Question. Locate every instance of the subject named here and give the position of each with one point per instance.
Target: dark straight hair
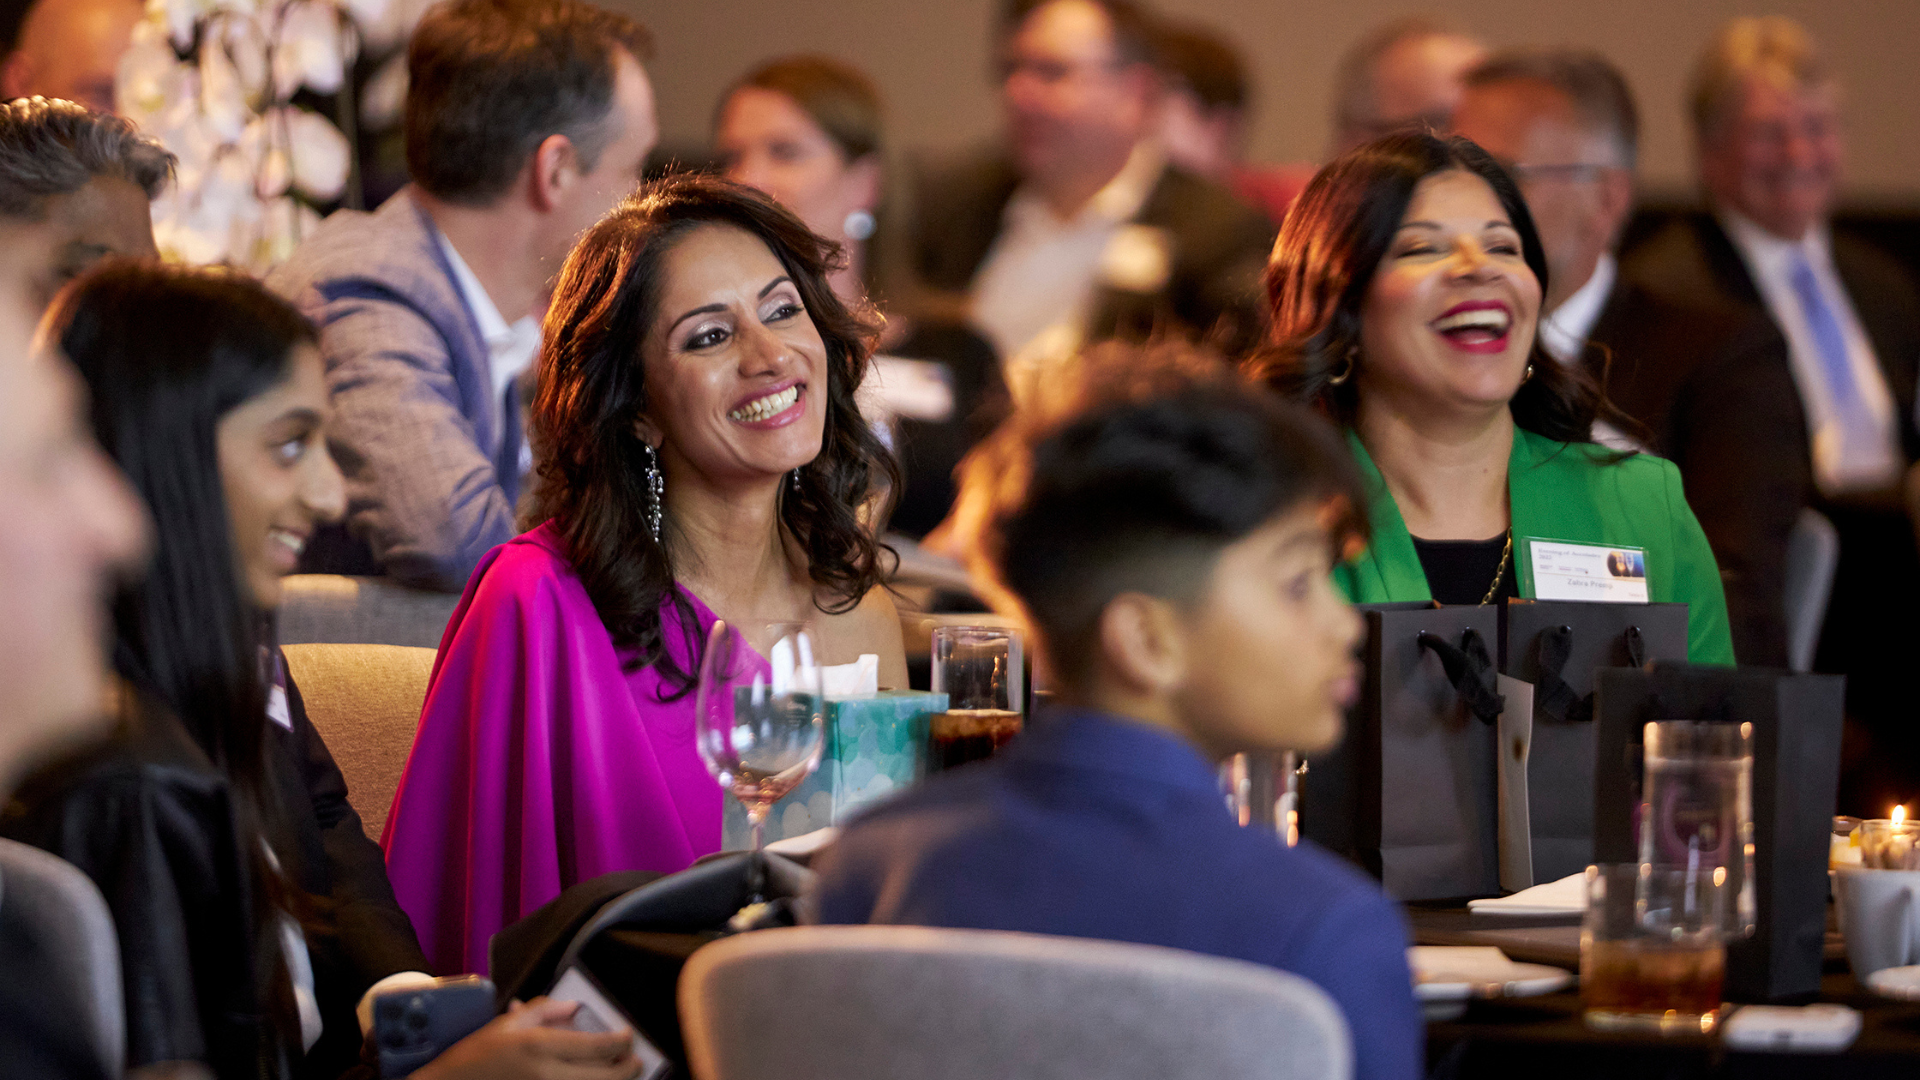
(1332, 244)
(166, 352)
(592, 479)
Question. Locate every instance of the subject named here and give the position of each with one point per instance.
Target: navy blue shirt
(1091, 826)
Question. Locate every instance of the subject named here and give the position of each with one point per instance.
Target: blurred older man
(64, 48)
(88, 177)
(1766, 122)
(1564, 123)
(1406, 73)
(1079, 228)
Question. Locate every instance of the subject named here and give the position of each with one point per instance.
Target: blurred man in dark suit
(1835, 419)
(1563, 121)
(1078, 228)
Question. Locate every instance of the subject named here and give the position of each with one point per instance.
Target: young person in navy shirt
(1168, 535)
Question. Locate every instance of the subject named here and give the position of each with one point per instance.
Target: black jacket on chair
(150, 819)
(1219, 248)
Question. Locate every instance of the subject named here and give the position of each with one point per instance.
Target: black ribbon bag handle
(1555, 697)
(1469, 668)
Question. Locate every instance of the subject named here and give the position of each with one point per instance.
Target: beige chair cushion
(332, 608)
(365, 700)
(911, 1003)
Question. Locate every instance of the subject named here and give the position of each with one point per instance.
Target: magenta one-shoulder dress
(540, 761)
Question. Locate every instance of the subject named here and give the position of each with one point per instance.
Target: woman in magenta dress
(700, 457)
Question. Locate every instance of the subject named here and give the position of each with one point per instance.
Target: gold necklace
(1506, 553)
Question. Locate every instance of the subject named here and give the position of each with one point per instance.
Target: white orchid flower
(309, 50)
(321, 156)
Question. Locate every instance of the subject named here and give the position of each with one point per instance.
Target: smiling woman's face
(736, 372)
(1449, 319)
(279, 480)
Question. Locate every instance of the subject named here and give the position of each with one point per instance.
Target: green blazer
(1567, 491)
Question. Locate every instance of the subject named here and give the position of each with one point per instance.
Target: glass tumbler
(979, 669)
(1696, 808)
(1653, 955)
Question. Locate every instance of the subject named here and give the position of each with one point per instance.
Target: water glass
(1653, 954)
(979, 669)
(1696, 807)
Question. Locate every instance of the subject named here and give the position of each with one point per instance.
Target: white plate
(1526, 980)
(1900, 982)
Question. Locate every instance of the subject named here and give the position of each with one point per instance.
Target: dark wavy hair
(166, 352)
(592, 479)
(1333, 242)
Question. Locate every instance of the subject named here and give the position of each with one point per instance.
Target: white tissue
(847, 680)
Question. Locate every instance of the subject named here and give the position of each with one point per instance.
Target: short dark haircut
(490, 79)
(592, 479)
(1596, 88)
(1135, 32)
(50, 147)
(1157, 457)
(1205, 62)
(1330, 247)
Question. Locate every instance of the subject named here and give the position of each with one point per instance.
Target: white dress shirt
(510, 347)
(1042, 270)
(1564, 331)
(1862, 460)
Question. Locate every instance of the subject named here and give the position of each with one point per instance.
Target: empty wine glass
(760, 721)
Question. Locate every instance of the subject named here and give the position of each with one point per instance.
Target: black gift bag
(1409, 792)
(1796, 772)
(1557, 645)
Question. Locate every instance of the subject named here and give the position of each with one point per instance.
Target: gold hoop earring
(1340, 377)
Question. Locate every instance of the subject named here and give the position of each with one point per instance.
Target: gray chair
(885, 1002)
(1813, 551)
(365, 700)
(50, 908)
(331, 609)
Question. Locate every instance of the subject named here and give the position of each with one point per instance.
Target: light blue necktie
(1856, 420)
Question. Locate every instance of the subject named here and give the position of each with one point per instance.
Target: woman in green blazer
(1406, 290)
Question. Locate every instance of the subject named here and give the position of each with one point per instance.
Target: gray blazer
(414, 420)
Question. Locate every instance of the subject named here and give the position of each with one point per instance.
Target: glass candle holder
(1886, 844)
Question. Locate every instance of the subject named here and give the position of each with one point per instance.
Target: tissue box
(876, 744)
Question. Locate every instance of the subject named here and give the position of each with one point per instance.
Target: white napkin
(1460, 964)
(845, 680)
(1568, 896)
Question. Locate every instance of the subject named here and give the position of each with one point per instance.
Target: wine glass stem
(756, 862)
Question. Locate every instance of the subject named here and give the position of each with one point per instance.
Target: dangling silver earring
(1528, 375)
(859, 225)
(796, 481)
(1340, 377)
(656, 491)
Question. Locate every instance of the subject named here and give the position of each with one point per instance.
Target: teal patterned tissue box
(876, 745)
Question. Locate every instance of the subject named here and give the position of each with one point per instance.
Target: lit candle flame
(1899, 815)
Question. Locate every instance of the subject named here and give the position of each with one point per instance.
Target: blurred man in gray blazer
(525, 122)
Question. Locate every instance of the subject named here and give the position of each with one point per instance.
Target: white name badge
(1567, 571)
